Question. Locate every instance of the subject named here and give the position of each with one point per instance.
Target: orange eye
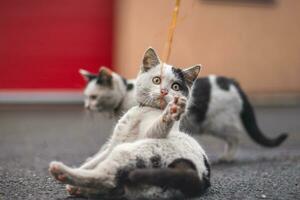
(176, 86)
(156, 80)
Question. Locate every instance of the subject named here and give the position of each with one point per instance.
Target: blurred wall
(255, 41)
(44, 43)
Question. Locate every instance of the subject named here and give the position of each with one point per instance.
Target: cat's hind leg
(74, 191)
(82, 192)
(231, 147)
(81, 177)
(94, 161)
(89, 164)
(105, 176)
(88, 192)
(86, 183)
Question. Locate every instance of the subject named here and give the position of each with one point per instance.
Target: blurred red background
(44, 43)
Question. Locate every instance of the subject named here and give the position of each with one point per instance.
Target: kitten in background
(107, 91)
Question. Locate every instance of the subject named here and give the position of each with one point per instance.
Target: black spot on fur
(207, 166)
(205, 182)
(180, 175)
(156, 161)
(224, 82)
(183, 163)
(181, 81)
(104, 81)
(140, 163)
(178, 73)
(197, 109)
(105, 78)
(90, 77)
(121, 180)
(122, 176)
(124, 81)
(129, 86)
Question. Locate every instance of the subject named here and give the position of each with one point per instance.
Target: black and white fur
(147, 155)
(218, 106)
(108, 92)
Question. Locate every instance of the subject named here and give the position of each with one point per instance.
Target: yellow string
(168, 45)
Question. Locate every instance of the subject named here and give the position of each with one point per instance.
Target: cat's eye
(176, 86)
(93, 97)
(156, 80)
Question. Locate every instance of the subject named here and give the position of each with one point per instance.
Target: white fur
(223, 117)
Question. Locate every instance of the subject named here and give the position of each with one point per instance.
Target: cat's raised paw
(176, 108)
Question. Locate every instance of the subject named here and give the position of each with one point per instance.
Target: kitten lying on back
(147, 156)
(217, 106)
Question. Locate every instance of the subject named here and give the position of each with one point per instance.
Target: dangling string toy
(168, 45)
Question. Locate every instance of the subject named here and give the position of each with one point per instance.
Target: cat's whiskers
(147, 101)
(143, 102)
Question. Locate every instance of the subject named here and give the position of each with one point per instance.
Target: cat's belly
(162, 152)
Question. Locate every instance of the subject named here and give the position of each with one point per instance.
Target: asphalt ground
(32, 136)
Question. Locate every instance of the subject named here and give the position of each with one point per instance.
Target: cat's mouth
(162, 101)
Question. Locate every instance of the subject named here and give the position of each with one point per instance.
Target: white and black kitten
(217, 106)
(147, 156)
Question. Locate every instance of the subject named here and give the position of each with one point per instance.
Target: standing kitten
(218, 107)
(147, 156)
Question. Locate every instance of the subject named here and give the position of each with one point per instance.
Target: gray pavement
(32, 136)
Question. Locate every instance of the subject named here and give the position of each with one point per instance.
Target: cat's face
(102, 92)
(156, 89)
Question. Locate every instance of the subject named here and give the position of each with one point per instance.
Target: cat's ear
(87, 75)
(191, 73)
(150, 59)
(105, 76)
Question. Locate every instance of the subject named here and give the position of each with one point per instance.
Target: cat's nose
(164, 92)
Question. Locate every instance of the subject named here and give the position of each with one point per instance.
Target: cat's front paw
(176, 108)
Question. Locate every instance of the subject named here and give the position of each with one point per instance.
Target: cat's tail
(250, 124)
(181, 176)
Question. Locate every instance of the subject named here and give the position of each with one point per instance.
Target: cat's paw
(176, 108)
(56, 169)
(73, 190)
(225, 159)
